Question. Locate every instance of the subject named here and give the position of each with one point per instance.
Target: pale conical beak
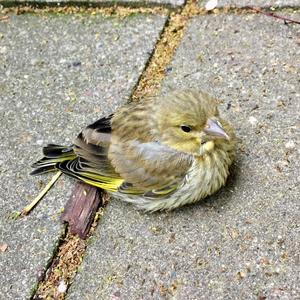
(214, 128)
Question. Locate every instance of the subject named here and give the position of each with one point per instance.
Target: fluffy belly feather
(207, 174)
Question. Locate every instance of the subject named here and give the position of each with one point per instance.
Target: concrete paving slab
(130, 3)
(57, 74)
(243, 242)
(256, 3)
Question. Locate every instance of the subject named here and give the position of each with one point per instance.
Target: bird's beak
(214, 128)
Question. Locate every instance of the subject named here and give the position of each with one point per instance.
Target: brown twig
(270, 14)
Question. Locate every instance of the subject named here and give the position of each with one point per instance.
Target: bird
(159, 154)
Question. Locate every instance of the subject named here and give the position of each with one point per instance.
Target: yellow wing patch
(103, 182)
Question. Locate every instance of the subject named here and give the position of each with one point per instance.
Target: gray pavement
(258, 3)
(58, 73)
(243, 242)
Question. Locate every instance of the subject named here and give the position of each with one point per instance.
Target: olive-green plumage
(161, 153)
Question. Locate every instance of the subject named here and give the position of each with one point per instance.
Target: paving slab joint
(157, 65)
(64, 264)
(189, 10)
(43, 275)
(89, 4)
(139, 89)
(115, 11)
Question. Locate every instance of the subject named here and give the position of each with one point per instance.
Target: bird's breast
(208, 174)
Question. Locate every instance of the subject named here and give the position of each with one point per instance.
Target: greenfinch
(160, 153)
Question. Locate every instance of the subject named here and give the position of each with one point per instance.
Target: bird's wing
(92, 164)
(148, 168)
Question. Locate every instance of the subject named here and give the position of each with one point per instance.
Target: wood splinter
(81, 208)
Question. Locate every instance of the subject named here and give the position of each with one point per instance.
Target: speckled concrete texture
(251, 3)
(243, 242)
(57, 74)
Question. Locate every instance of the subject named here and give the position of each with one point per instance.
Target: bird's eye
(185, 128)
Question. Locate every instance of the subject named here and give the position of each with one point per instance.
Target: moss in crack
(170, 39)
(112, 11)
(43, 273)
(64, 264)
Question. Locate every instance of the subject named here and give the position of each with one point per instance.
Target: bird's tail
(53, 154)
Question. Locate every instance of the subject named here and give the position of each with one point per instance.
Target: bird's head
(189, 121)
